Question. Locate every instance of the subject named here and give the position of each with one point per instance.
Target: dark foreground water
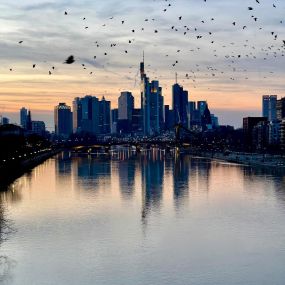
(148, 219)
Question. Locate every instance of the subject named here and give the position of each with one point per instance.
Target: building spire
(142, 67)
(176, 77)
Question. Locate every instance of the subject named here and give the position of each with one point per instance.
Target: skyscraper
(39, 128)
(86, 115)
(104, 116)
(206, 117)
(151, 104)
(137, 121)
(4, 121)
(269, 104)
(125, 106)
(169, 118)
(125, 111)
(63, 120)
(114, 120)
(280, 106)
(145, 100)
(156, 108)
(29, 121)
(77, 115)
(191, 110)
(23, 117)
(202, 106)
(180, 105)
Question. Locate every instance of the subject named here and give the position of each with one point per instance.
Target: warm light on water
(145, 219)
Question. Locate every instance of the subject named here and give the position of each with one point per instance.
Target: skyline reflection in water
(149, 218)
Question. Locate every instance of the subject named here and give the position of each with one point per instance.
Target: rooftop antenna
(143, 56)
(176, 76)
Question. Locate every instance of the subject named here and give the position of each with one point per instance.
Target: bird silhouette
(70, 60)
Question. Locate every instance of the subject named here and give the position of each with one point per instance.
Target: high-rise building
(156, 108)
(125, 109)
(248, 125)
(86, 115)
(23, 117)
(260, 135)
(39, 128)
(29, 121)
(280, 107)
(206, 118)
(77, 115)
(137, 121)
(191, 110)
(63, 120)
(180, 105)
(269, 107)
(215, 121)
(104, 116)
(169, 118)
(201, 106)
(191, 106)
(195, 119)
(4, 121)
(274, 133)
(114, 120)
(125, 106)
(151, 104)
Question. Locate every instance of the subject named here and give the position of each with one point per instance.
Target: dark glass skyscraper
(23, 117)
(269, 109)
(63, 120)
(86, 115)
(151, 104)
(104, 116)
(180, 105)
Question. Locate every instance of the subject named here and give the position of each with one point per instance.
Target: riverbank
(15, 168)
(250, 159)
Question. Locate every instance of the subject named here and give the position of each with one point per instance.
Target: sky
(239, 54)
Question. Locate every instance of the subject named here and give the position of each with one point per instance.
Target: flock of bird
(238, 52)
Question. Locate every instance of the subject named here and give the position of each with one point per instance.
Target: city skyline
(211, 65)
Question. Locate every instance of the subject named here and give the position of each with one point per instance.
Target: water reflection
(272, 177)
(126, 167)
(151, 212)
(152, 173)
(181, 176)
(6, 229)
(63, 164)
(91, 172)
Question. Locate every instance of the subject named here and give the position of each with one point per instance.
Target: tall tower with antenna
(142, 71)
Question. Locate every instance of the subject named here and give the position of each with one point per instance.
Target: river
(137, 219)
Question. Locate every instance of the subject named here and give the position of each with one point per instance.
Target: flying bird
(70, 60)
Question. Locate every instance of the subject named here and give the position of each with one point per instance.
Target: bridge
(176, 142)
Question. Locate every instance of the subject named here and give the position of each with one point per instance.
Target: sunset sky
(242, 59)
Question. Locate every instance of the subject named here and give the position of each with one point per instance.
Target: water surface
(153, 218)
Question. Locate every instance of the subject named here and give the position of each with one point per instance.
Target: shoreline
(269, 161)
(12, 171)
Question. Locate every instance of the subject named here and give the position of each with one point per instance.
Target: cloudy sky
(237, 57)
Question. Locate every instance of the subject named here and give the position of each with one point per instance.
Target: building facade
(180, 105)
(63, 120)
(86, 115)
(104, 116)
(23, 117)
(151, 104)
(39, 128)
(269, 107)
